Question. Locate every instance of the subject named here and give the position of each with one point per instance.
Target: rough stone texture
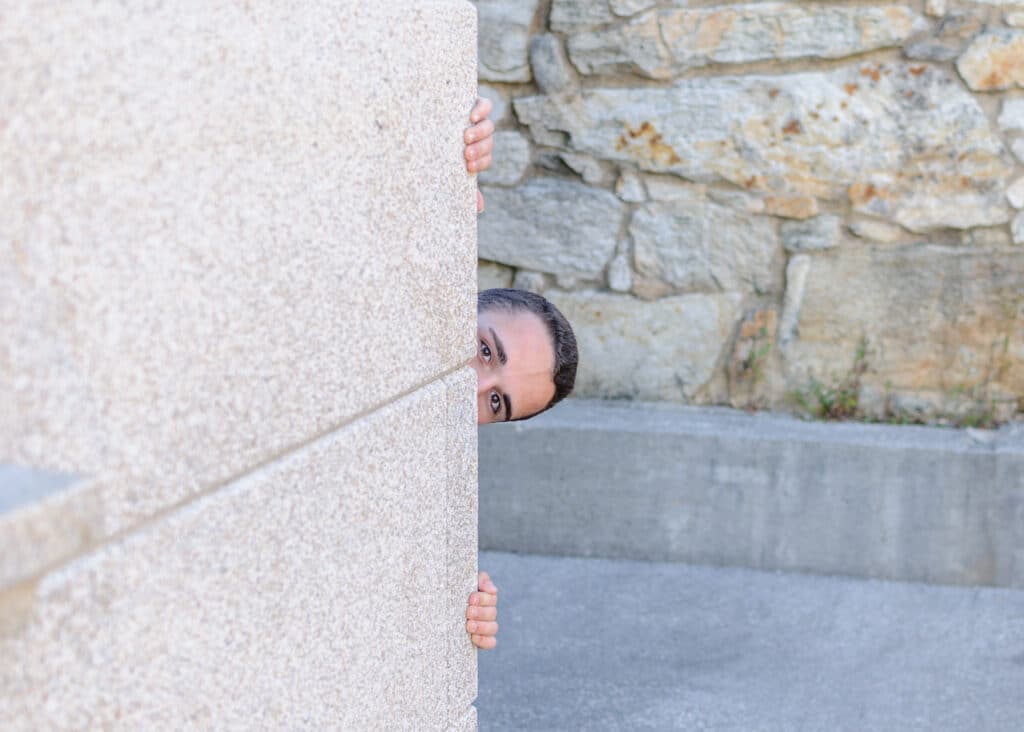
(1015, 194)
(876, 230)
(633, 48)
(499, 103)
(492, 274)
(568, 16)
(753, 370)
(821, 232)
(716, 486)
(937, 320)
(259, 605)
(847, 121)
(504, 39)
(996, 237)
(698, 246)
(1011, 118)
(620, 276)
(796, 282)
(590, 170)
(551, 69)
(511, 159)
(1015, 18)
(665, 42)
(948, 39)
(626, 8)
(1018, 149)
(530, 281)
(551, 226)
(662, 350)
(994, 61)
(884, 135)
(1018, 229)
(190, 320)
(630, 187)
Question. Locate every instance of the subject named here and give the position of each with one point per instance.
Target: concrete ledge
(715, 486)
(45, 518)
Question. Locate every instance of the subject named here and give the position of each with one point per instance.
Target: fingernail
(472, 612)
(472, 626)
(491, 588)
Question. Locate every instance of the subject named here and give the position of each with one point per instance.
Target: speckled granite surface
(237, 280)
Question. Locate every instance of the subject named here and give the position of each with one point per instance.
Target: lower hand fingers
(476, 166)
(480, 149)
(484, 642)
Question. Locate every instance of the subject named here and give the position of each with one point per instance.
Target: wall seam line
(277, 457)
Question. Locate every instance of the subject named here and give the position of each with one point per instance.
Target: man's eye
(495, 402)
(485, 350)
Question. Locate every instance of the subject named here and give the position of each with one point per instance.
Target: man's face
(514, 364)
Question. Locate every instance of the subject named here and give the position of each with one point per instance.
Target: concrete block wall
(237, 435)
(667, 482)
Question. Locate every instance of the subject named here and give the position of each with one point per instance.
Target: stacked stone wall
(768, 204)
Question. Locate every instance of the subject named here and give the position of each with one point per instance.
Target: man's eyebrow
(502, 356)
(508, 404)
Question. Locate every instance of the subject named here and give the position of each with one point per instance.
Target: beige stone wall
(237, 435)
(764, 203)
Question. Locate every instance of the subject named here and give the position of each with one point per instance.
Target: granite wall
(768, 204)
(237, 434)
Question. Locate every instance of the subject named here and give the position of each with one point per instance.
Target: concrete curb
(716, 486)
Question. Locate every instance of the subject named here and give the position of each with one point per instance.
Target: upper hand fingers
(481, 109)
(481, 613)
(479, 131)
(483, 599)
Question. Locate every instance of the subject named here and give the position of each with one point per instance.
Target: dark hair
(562, 338)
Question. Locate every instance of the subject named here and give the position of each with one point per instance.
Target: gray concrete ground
(594, 644)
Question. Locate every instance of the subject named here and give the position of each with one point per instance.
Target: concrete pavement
(594, 644)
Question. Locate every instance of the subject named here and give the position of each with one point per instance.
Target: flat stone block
(312, 593)
(713, 486)
(461, 526)
(208, 255)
